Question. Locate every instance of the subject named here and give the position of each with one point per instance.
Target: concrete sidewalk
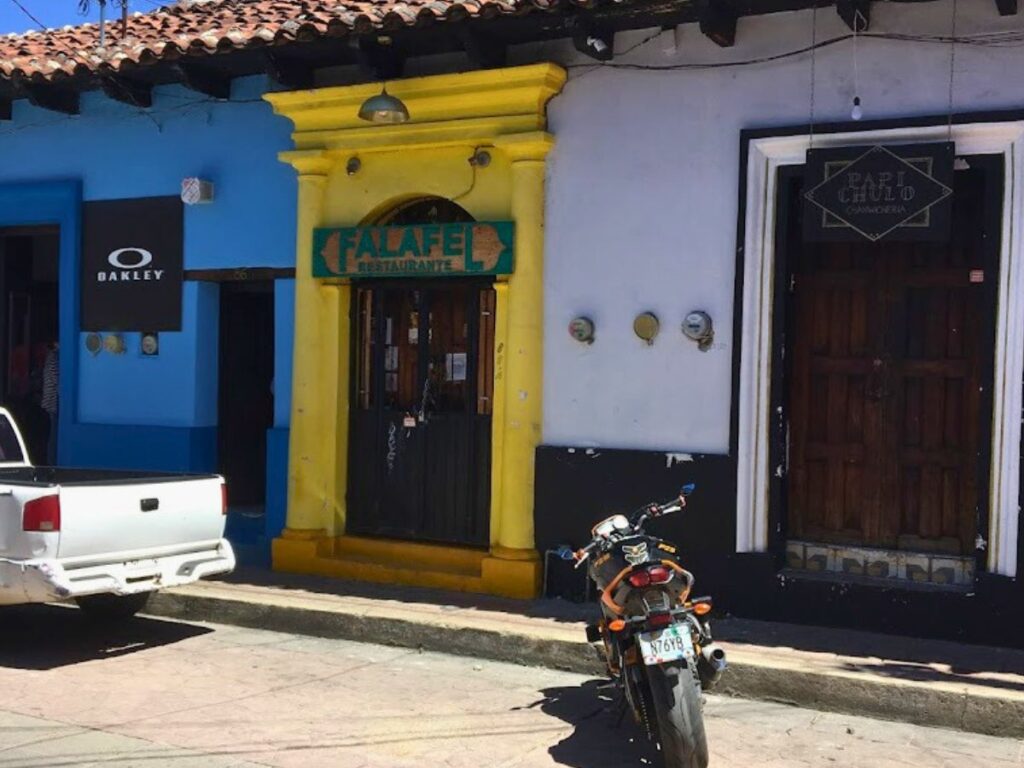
(925, 682)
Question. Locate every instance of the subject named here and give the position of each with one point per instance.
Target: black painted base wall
(576, 487)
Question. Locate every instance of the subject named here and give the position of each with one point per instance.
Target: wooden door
(889, 369)
(419, 458)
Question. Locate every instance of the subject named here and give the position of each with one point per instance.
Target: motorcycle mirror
(687, 489)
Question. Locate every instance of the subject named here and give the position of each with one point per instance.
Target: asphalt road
(161, 693)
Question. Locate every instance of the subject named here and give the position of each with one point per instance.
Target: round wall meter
(93, 343)
(697, 327)
(582, 329)
(113, 343)
(150, 344)
(646, 326)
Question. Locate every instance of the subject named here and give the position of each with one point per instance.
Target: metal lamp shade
(384, 108)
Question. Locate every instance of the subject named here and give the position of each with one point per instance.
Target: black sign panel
(875, 192)
(132, 264)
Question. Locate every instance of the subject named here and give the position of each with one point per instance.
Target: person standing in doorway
(51, 380)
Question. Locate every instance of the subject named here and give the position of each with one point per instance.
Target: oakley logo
(130, 258)
(132, 263)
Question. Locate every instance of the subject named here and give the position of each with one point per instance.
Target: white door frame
(765, 157)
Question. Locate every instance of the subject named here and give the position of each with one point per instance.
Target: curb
(978, 709)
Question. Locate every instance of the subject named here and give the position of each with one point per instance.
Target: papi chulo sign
(415, 250)
(875, 192)
(132, 264)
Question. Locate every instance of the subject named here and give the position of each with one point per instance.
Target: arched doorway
(420, 410)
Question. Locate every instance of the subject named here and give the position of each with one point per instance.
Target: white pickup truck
(106, 539)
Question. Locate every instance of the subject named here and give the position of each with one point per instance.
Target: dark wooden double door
(420, 450)
(888, 350)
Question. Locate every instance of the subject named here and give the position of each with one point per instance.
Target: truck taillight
(223, 498)
(42, 514)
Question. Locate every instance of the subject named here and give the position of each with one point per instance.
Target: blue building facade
(128, 409)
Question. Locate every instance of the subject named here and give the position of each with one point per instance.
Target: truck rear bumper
(44, 581)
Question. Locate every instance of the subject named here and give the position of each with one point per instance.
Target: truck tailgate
(109, 519)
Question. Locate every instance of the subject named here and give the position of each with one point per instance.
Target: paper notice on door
(387, 330)
(455, 366)
(391, 358)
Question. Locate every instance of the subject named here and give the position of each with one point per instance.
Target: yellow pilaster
(514, 565)
(310, 489)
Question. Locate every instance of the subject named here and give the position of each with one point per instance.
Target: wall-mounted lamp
(384, 108)
(646, 327)
(697, 327)
(582, 329)
(196, 191)
(595, 42)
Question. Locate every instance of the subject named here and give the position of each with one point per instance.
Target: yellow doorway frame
(453, 117)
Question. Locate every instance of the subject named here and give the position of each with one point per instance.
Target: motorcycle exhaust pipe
(710, 665)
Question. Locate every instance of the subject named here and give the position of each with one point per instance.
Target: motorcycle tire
(676, 695)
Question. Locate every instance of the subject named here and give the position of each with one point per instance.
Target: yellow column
(513, 568)
(310, 486)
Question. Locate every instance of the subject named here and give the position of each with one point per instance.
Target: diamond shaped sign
(875, 192)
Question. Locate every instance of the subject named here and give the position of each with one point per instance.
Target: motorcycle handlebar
(639, 517)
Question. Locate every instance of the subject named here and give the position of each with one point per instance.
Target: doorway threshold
(880, 567)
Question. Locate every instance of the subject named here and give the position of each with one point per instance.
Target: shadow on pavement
(599, 739)
(42, 637)
(554, 609)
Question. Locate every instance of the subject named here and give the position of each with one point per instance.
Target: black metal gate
(420, 439)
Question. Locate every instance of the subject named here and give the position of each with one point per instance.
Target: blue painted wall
(160, 413)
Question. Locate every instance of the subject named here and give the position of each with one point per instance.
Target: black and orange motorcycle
(655, 636)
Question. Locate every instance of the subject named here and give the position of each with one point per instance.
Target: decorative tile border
(883, 565)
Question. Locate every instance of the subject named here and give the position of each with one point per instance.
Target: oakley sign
(132, 266)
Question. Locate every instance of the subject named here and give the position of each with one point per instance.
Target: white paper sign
(455, 366)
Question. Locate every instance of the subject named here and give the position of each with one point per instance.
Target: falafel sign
(417, 250)
(132, 264)
(873, 192)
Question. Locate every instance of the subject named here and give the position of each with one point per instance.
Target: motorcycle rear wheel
(676, 694)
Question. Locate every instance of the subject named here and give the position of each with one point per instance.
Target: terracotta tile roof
(198, 27)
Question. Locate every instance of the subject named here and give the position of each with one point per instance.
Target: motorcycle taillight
(659, 620)
(659, 574)
(640, 578)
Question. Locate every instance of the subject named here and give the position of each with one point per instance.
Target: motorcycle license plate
(669, 644)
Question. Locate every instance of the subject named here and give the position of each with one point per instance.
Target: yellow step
(407, 555)
(360, 569)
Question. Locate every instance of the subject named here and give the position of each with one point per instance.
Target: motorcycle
(655, 636)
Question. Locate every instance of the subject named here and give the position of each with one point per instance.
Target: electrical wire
(28, 13)
(987, 40)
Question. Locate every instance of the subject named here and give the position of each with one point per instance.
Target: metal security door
(419, 464)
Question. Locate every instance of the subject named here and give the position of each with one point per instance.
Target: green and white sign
(416, 250)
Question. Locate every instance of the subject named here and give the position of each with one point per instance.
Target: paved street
(160, 693)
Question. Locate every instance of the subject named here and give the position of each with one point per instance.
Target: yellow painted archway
(452, 117)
